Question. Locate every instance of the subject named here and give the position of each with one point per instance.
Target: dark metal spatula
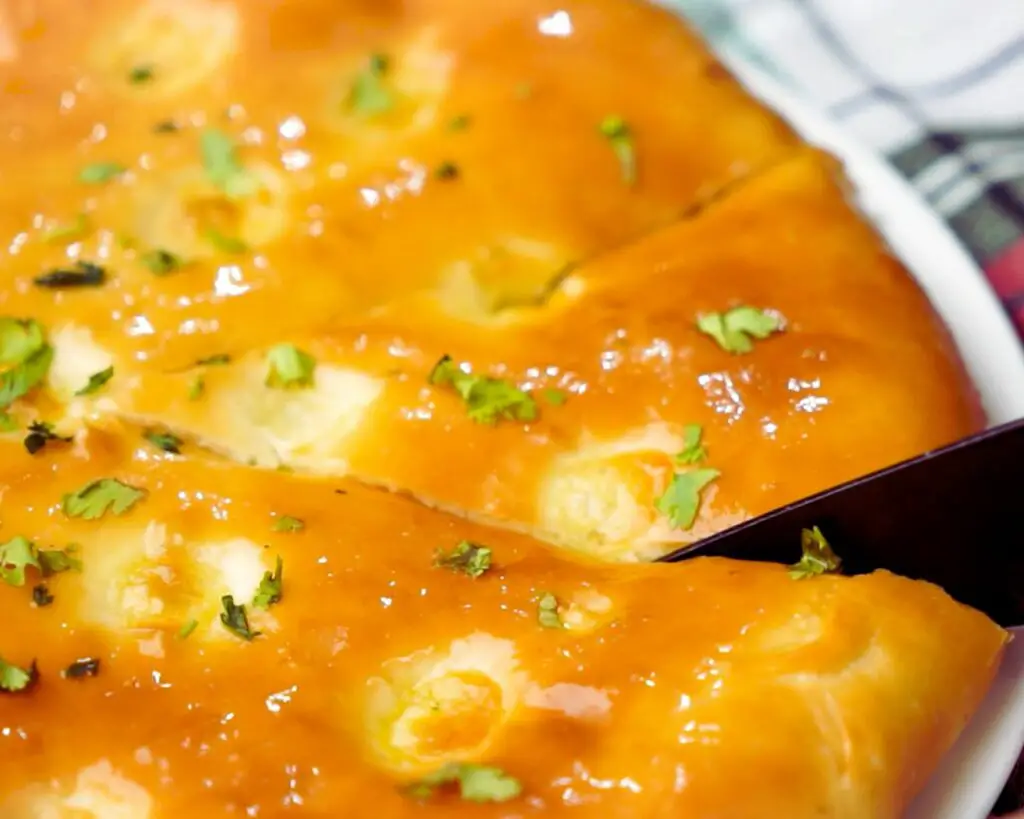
(954, 517)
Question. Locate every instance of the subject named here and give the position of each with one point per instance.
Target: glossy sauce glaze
(382, 185)
(667, 690)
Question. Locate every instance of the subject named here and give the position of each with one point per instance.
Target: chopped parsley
(271, 587)
(7, 423)
(368, 95)
(95, 499)
(166, 126)
(289, 367)
(214, 360)
(79, 669)
(14, 678)
(223, 242)
(96, 381)
(187, 629)
(235, 619)
(487, 399)
(476, 783)
(163, 440)
(81, 274)
(693, 450)
(220, 161)
(465, 557)
(140, 74)
(21, 378)
(286, 523)
(99, 172)
(19, 338)
(555, 397)
(681, 500)
(40, 434)
(616, 130)
(547, 611)
(41, 595)
(160, 262)
(196, 388)
(459, 123)
(735, 329)
(17, 554)
(59, 234)
(446, 170)
(818, 557)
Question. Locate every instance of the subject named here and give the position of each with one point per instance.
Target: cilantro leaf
(681, 500)
(271, 587)
(40, 434)
(735, 329)
(20, 379)
(289, 367)
(818, 557)
(187, 629)
(19, 338)
(477, 783)
(465, 557)
(235, 619)
(214, 360)
(693, 450)
(616, 130)
(555, 397)
(459, 123)
(96, 380)
(223, 242)
(220, 161)
(17, 554)
(196, 388)
(547, 611)
(286, 523)
(81, 274)
(140, 74)
(487, 399)
(368, 95)
(59, 234)
(95, 499)
(99, 172)
(160, 262)
(163, 440)
(7, 423)
(14, 678)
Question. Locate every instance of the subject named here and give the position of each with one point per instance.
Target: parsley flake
(459, 123)
(196, 388)
(95, 499)
(220, 161)
(465, 557)
(187, 629)
(555, 397)
(734, 330)
(368, 95)
(160, 262)
(235, 619)
(476, 783)
(214, 360)
(616, 130)
(487, 399)
(99, 172)
(547, 611)
(82, 274)
(40, 434)
(14, 678)
(96, 381)
(140, 74)
(59, 234)
(17, 554)
(20, 379)
(446, 171)
(818, 557)
(693, 450)
(79, 669)
(681, 500)
(223, 242)
(163, 440)
(271, 587)
(41, 595)
(289, 367)
(286, 523)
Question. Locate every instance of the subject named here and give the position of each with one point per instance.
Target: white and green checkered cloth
(935, 85)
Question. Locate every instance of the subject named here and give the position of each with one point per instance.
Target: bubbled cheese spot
(499, 281)
(100, 792)
(600, 499)
(185, 214)
(76, 356)
(442, 705)
(185, 43)
(150, 583)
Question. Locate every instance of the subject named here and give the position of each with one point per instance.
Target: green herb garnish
(163, 440)
(286, 523)
(99, 172)
(81, 274)
(96, 380)
(476, 783)
(368, 95)
(13, 678)
(235, 619)
(17, 554)
(95, 499)
(681, 501)
(547, 611)
(487, 399)
(220, 161)
(693, 450)
(818, 557)
(160, 262)
(289, 367)
(735, 329)
(271, 587)
(40, 434)
(616, 130)
(465, 557)
(140, 74)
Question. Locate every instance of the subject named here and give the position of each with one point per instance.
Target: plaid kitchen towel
(935, 85)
